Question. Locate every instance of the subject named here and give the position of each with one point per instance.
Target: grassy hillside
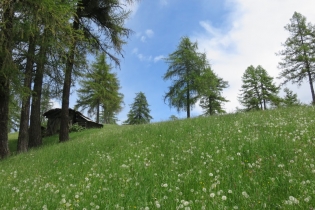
(240, 161)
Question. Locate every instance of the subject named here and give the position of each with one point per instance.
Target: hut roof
(55, 113)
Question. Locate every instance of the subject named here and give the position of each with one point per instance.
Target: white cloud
(253, 34)
(149, 33)
(143, 38)
(158, 58)
(140, 56)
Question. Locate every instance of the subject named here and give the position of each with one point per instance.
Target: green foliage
(139, 111)
(173, 117)
(211, 87)
(185, 66)
(100, 88)
(258, 89)
(261, 160)
(109, 17)
(298, 57)
(290, 98)
(76, 128)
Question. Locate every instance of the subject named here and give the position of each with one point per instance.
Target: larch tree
(298, 57)
(139, 111)
(290, 98)
(100, 89)
(269, 90)
(7, 70)
(258, 89)
(184, 67)
(49, 21)
(22, 145)
(211, 87)
(31, 18)
(108, 16)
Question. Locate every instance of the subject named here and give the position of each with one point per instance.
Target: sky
(234, 34)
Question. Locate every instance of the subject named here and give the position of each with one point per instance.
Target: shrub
(76, 128)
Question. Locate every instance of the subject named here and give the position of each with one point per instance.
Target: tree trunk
(64, 124)
(35, 135)
(25, 110)
(5, 64)
(311, 86)
(263, 96)
(4, 118)
(308, 67)
(98, 112)
(188, 102)
(210, 106)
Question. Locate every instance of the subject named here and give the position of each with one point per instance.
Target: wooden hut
(54, 117)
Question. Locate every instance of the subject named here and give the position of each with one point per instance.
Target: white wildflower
(245, 194)
(307, 199)
(294, 200)
(164, 185)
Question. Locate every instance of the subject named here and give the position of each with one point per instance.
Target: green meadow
(257, 160)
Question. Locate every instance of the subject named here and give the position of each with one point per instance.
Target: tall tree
(108, 117)
(100, 88)
(35, 136)
(109, 17)
(55, 34)
(25, 110)
(185, 66)
(139, 111)
(258, 89)
(211, 87)
(298, 57)
(269, 90)
(6, 69)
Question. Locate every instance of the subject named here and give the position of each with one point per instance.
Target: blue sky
(234, 34)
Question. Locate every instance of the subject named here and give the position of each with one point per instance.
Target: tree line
(194, 80)
(43, 48)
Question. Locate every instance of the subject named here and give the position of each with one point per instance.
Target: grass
(258, 160)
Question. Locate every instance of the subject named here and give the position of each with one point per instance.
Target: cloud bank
(251, 35)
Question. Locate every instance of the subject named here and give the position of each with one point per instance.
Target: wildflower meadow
(257, 160)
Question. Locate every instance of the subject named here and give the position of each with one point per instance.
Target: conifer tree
(7, 68)
(185, 66)
(108, 16)
(139, 111)
(258, 89)
(211, 87)
(100, 88)
(298, 57)
(290, 98)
